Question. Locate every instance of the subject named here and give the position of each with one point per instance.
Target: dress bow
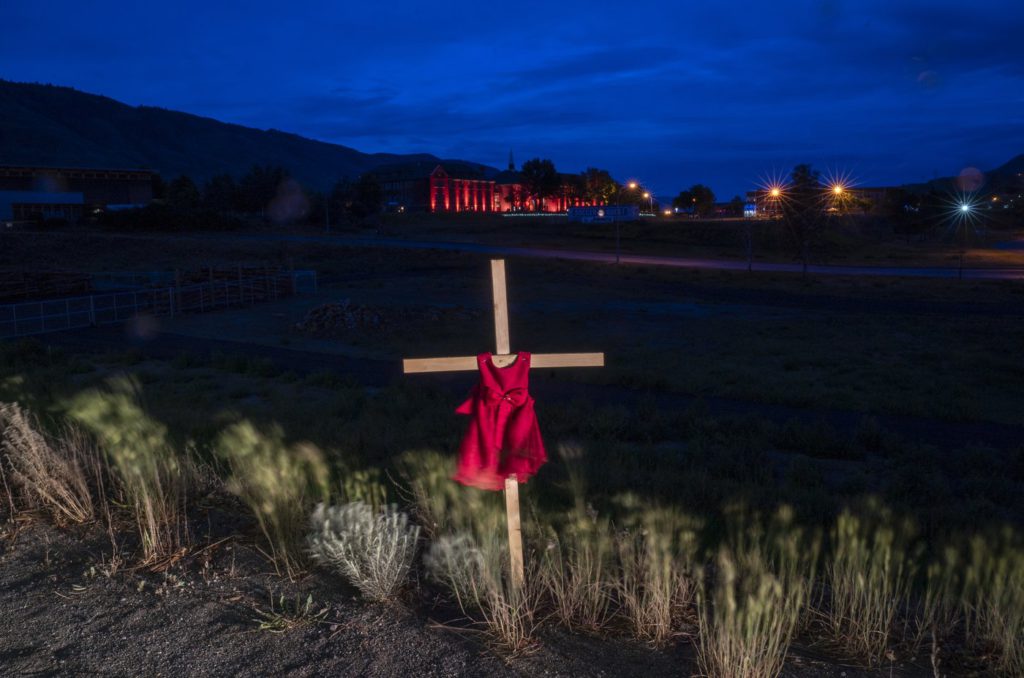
(516, 397)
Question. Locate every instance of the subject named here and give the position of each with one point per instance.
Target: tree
(703, 200)
(801, 210)
(339, 199)
(259, 186)
(182, 195)
(540, 180)
(736, 206)
(684, 201)
(220, 194)
(598, 186)
(367, 197)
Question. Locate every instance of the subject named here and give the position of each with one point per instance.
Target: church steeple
(511, 162)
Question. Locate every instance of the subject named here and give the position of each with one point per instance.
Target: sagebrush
(373, 549)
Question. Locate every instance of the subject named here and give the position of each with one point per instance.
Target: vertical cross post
(500, 307)
(501, 337)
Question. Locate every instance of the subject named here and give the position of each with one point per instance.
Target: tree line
(265, 193)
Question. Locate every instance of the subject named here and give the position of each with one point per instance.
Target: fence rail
(52, 315)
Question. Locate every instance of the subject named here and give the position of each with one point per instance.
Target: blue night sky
(668, 93)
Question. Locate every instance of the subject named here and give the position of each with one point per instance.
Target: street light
(650, 201)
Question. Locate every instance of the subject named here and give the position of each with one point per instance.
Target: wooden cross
(503, 357)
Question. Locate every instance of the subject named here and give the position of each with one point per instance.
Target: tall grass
(868, 580)
(279, 483)
(477, 574)
(657, 580)
(751, 603)
(446, 507)
(577, 572)
(993, 598)
(939, 607)
(52, 472)
(372, 548)
(151, 478)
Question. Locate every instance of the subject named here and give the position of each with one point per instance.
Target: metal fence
(37, 317)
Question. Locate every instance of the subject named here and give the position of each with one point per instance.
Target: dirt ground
(65, 616)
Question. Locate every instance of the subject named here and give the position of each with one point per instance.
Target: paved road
(1005, 273)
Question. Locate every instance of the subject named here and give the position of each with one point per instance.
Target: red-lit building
(462, 187)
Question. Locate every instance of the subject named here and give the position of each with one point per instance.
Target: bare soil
(67, 614)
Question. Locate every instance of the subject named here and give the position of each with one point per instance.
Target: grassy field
(740, 489)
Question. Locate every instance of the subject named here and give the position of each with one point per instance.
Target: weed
(286, 615)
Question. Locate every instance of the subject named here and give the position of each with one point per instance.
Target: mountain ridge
(59, 126)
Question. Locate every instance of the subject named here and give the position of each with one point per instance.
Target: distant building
(463, 187)
(32, 206)
(32, 193)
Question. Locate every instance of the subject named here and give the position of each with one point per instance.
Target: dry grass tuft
(657, 584)
(478, 576)
(868, 580)
(151, 479)
(577, 574)
(49, 472)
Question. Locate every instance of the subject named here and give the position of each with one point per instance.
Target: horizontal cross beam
(468, 363)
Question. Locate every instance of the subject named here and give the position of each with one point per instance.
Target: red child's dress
(503, 438)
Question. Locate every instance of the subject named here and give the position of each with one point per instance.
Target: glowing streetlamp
(775, 192)
(838, 189)
(632, 185)
(965, 208)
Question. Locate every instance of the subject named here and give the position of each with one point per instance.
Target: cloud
(666, 92)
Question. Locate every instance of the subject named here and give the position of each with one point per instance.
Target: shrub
(868, 580)
(477, 574)
(50, 472)
(151, 478)
(278, 483)
(372, 549)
